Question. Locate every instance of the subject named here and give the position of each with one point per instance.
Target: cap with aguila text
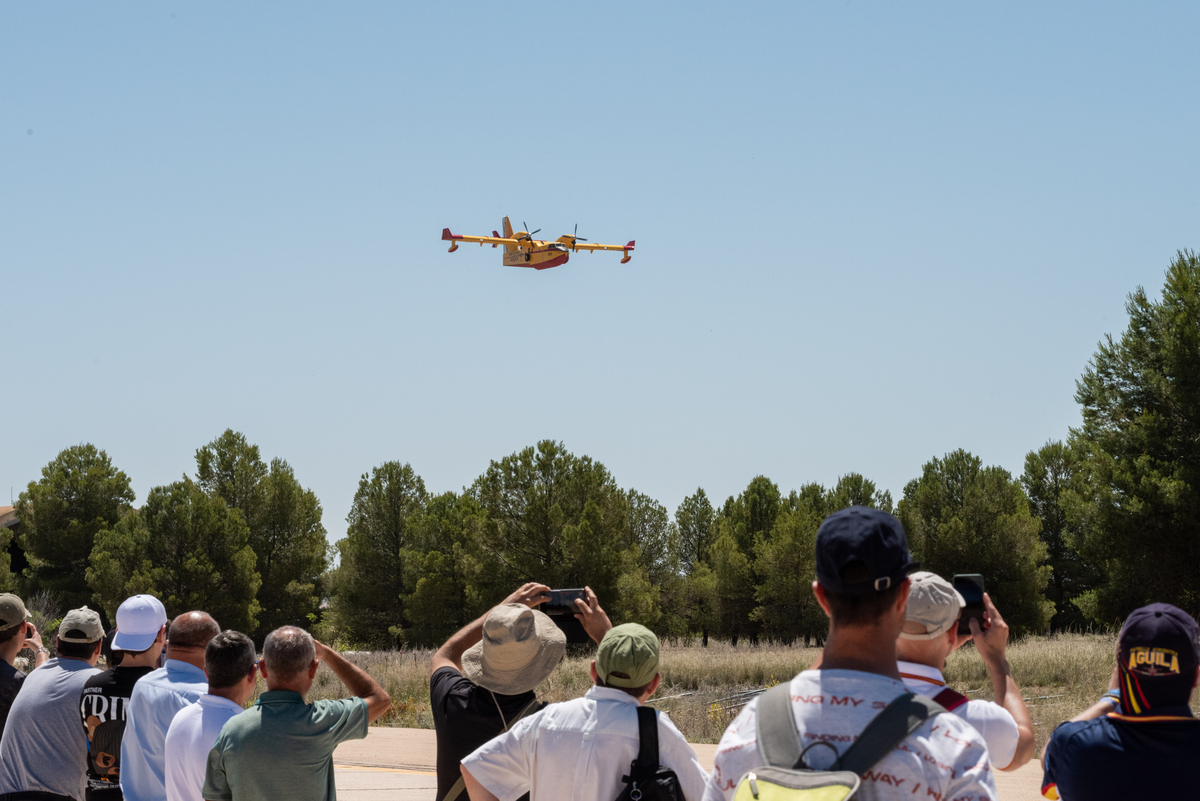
(12, 611)
(933, 607)
(868, 539)
(139, 619)
(1157, 649)
(627, 656)
(81, 625)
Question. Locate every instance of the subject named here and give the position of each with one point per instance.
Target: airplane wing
(483, 240)
(590, 246)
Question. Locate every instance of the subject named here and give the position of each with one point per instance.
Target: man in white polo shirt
(232, 668)
(930, 635)
(580, 749)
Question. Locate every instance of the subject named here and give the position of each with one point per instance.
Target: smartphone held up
(970, 587)
(562, 610)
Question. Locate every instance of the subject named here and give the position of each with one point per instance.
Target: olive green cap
(628, 656)
(12, 611)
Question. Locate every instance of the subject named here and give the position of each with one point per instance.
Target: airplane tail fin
(508, 232)
(626, 249)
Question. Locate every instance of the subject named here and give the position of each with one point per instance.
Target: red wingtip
(627, 247)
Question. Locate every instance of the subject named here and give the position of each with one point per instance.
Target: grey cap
(12, 611)
(81, 625)
(933, 607)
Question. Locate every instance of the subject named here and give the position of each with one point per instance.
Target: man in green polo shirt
(282, 748)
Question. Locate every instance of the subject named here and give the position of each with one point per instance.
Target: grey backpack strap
(778, 740)
(889, 728)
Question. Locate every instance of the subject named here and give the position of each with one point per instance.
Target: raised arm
(356, 680)
(450, 654)
(991, 644)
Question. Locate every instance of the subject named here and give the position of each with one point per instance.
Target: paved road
(397, 764)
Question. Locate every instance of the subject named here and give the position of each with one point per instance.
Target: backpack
(647, 780)
(785, 775)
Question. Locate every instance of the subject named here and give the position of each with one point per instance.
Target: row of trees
(1095, 526)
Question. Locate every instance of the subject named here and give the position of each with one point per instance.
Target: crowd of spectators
(167, 721)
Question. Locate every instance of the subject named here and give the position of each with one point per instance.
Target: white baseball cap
(139, 620)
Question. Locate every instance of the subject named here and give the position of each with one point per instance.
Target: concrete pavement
(398, 764)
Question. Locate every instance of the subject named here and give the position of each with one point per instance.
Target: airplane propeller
(529, 235)
(577, 237)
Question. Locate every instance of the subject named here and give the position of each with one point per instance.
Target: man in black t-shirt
(141, 633)
(482, 679)
(16, 634)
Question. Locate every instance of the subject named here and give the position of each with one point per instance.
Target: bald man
(155, 700)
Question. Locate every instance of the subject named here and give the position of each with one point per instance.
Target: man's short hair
(192, 630)
(288, 652)
(228, 658)
(76, 650)
(636, 692)
(863, 609)
(12, 631)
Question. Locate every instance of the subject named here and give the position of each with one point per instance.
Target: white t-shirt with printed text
(944, 760)
(994, 722)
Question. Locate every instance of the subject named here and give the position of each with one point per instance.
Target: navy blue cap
(866, 535)
(1158, 652)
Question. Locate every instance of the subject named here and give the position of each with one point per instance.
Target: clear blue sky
(868, 234)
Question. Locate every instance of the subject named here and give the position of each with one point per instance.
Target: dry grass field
(1059, 676)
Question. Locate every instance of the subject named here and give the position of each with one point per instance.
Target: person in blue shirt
(1139, 739)
(156, 698)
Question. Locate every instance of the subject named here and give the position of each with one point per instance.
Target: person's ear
(162, 635)
(595, 675)
(312, 669)
(902, 600)
(819, 594)
(262, 668)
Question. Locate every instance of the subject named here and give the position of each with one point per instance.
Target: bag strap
(647, 758)
(778, 741)
(887, 730)
(950, 699)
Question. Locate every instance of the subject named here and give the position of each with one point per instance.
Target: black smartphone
(562, 602)
(562, 610)
(970, 587)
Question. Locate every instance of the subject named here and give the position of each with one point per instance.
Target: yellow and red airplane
(522, 250)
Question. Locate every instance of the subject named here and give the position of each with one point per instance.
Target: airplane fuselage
(539, 256)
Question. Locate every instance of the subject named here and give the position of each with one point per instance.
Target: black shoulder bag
(647, 780)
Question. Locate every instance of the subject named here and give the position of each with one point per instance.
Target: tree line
(1096, 525)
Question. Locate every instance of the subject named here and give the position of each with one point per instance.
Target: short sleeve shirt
(189, 741)
(44, 747)
(10, 685)
(465, 716)
(102, 708)
(994, 722)
(281, 749)
(579, 750)
(945, 758)
(1124, 756)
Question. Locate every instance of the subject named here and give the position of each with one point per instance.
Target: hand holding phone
(562, 610)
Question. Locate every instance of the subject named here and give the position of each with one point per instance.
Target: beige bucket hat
(933, 607)
(520, 648)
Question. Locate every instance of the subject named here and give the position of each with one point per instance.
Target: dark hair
(864, 609)
(288, 652)
(12, 631)
(228, 658)
(75, 650)
(636, 692)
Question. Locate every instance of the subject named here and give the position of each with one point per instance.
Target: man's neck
(233, 694)
(857, 648)
(9, 651)
(285, 687)
(918, 657)
(193, 656)
(140, 661)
